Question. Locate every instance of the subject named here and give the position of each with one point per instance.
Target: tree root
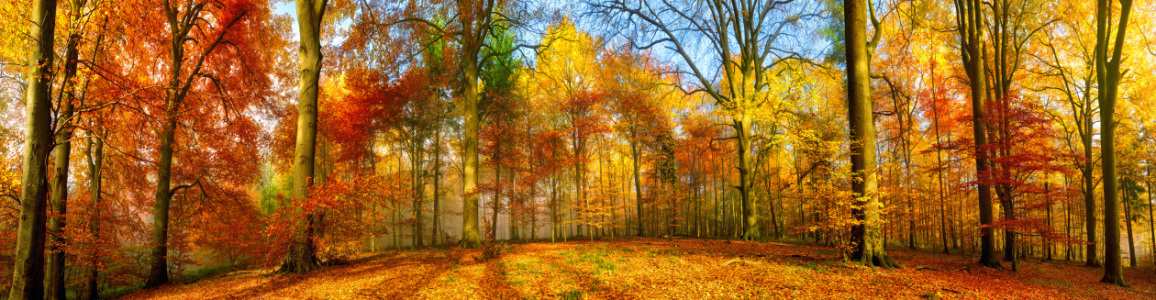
(1116, 280)
(879, 260)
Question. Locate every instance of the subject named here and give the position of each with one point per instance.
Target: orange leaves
(661, 269)
(363, 103)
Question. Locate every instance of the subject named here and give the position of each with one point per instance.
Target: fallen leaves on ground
(663, 269)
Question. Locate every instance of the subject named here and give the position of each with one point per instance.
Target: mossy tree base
(1114, 279)
(880, 260)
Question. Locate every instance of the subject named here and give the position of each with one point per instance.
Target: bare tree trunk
(415, 159)
(437, 194)
(302, 255)
(635, 156)
(470, 126)
(28, 272)
(971, 19)
(56, 222)
(1128, 223)
(95, 156)
(1108, 76)
(1089, 189)
(1151, 222)
(742, 125)
(865, 235)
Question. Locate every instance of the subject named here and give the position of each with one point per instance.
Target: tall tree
(1076, 85)
(187, 31)
(61, 155)
(866, 236)
(28, 273)
(94, 155)
(302, 253)
(970, 23)
(1013, 25)
(1108, 79)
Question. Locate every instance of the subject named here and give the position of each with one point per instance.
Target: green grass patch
(202, 273)
(598, 260)
(120, 291)
(816, 267)
(571, 295)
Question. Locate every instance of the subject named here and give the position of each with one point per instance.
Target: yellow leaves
(13, 33)
(566, 62)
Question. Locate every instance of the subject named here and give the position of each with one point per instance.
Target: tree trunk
(158, 271)
(1068, 222)
(28, 273)
(1128, 223)
(742, 125)
(1108, 77)
(1089, 189)
(1151, 222)
(553, 208)
(497, 201)
(56, 288)
(1048, 248)
(470, 127)
(580, 183)
(869, 248)
(972, 49)
(302, 257)
(415, 158)
(533, 189)
(437, 189)
(939, 171)
(95, 151)
(635, 156)
(1009, 213)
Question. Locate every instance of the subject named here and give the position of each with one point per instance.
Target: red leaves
(363, 105)
(345, 211)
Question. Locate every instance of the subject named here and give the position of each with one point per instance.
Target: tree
(28, 273)
(181, 20)
(1108, 79)
(866, 236)
(1012, 30)
(501, 108)
(94, 155)
(970, 22)
(1076, 86)
(63, 149)
(302, 255)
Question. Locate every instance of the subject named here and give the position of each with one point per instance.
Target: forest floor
(663, 269)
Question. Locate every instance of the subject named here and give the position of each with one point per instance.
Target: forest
(587, 149)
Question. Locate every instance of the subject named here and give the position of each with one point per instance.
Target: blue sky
(807, 44)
